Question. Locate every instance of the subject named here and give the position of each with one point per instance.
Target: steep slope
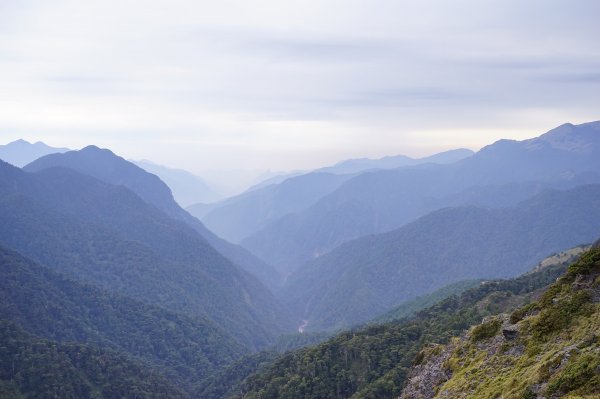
(108, 167)
(31, 367)
(50, 306)
(106, 235)
(368, 276)
(240, 216)
(186, 187)
(373, 361)
(546, 349)
(20, 152)
(380, 201)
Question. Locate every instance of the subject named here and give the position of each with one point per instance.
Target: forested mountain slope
(50, 306)
(370, 275)
(104, 165)
(106, 235)
(39, 368)
(373, 361)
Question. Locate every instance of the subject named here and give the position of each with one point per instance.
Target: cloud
(297, 84)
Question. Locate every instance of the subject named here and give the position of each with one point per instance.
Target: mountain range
(20, 152)
(369, 275)
(241, 216)
(108, 236)
(104, 165)
(381, 278)
(375, 361)
(501, 174)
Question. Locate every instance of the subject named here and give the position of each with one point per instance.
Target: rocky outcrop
(546, 349)
(426, 376)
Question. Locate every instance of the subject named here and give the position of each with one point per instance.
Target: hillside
(373, 361)
(548, 348)
(368, 276)
(50, 306)
(107, 236)
(38, 368)
(381, 201)
(104, 165)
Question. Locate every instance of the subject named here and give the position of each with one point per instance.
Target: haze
(236, 85)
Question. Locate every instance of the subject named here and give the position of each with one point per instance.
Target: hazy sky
(293, 84)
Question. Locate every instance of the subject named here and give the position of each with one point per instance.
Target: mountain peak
(21, 152)
(19, 142)
(570, 137)
(91, 149)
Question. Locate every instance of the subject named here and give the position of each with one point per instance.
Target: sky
(246, 86)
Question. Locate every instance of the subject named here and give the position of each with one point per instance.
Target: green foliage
(225, 383)
(558, 315)
(486, 330)
(528, 394)
(556, 354)
(46, 304)
(288, 342)
(521, 312)
(411, 307)
(581, 374)
(373, 361)
(36, 368)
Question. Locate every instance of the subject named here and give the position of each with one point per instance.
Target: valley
(96, 252)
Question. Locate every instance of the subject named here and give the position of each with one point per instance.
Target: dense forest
(38, 368)
(373, 361)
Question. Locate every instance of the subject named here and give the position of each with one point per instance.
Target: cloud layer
(293, 84)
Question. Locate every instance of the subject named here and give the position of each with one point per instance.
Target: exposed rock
(429, 374)
(510, 334)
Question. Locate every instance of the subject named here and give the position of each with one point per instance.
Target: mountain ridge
(106, 166)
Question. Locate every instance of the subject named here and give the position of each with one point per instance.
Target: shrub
(486, 330)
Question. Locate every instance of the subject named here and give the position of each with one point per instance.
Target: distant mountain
(50, 306)
(368, 276)
(20, 152)
(240, 216)
(351, 166)
(108, 167)
(500, 174)
(186, 187)
(269, 178)
(106, 235)
(397, 161)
